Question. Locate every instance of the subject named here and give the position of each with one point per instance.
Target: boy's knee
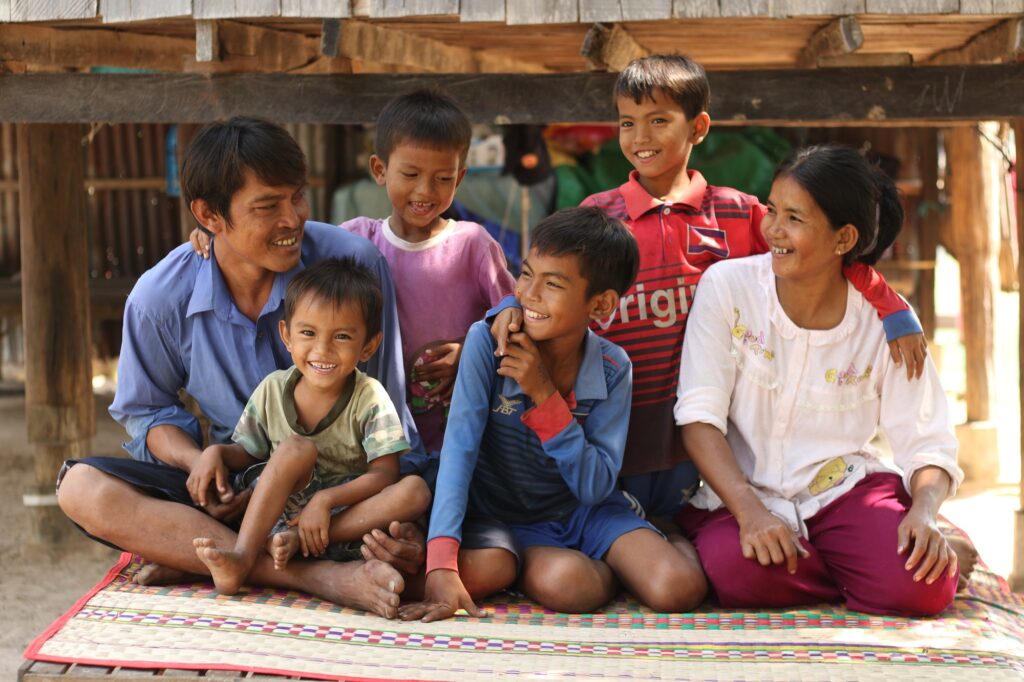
(485, 571)
(571, 584)
(297, 450)
(675, 586)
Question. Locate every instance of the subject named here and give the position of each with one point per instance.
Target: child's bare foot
(966, 556)
(403, 546)
(282, 546)
(227, 568)
(155, 574)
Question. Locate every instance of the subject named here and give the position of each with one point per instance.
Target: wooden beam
(85, 48)
(1017, 576)
(610, 48)
(59, 408)
(871, 60)
(841, 36)
(923, 95)
(1003, 42)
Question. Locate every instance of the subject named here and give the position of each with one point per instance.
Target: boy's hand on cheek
(523, 363)
(505, 323)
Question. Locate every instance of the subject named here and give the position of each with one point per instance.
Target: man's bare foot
(155, 574)
(966, 556)
(403, 546)
(228, 569)
(369, 586)
(282, 547)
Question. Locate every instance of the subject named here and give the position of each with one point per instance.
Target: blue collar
(590, 382)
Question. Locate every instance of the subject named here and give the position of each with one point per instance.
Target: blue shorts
(591, 530)
(663, 493)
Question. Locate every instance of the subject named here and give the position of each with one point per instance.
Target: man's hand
(523, 363)
(209, 468)
(910, 349)
(443, 595)
(200, 242)
(402, 547)
(768, 539)
(313, 522)
(506, 322)
(931, 554)
(229, 512)
(441, 367)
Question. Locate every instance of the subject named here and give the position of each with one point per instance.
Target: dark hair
(607, 251)
(851, 191)
(338, 281)
(215, 162)
(679, 77)
(427, 117)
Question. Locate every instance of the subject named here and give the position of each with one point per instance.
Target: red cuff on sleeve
(443, 552)
(549, 418)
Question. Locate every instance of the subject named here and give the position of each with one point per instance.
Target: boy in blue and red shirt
(683, 225)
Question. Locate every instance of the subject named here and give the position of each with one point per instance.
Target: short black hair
(607, 251)
(679, 77)
(214, 165)
(338, 281)
(428, 117)
(849, 191)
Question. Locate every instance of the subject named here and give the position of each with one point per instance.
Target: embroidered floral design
(849, 376)
(755, 342)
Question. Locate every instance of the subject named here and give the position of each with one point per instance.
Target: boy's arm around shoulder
(589, 455)
(467, 420)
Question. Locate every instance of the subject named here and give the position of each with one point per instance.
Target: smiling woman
(787, 377)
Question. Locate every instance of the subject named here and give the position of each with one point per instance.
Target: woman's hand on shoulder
(766, 538)
(910, 350)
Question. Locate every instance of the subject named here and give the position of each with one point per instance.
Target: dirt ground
(37, 585)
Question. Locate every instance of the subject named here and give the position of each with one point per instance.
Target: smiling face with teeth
(262, 234)
(657, 138)
(553, 294)
(421, 183)
(326, 342)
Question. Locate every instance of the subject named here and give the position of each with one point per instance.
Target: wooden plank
(1002, 43)
(541, 12)
(696, 9)
(39, 671)
(624, 10)
(330, 35)
(746, 8)
(991, 6)
(839, 36)
(317, 9)
(235, 9)
(5, 10)
(392, 9)
(1017, 576)
(84, 48)
(784, 96)
(52, 10)
(482, 10)
(912, 6)
(207, 41)
(869, 60)
(118, 11)
(819, 8)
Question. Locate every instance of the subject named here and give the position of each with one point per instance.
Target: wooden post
(186, 131)
(929, 226)
(1017, 576)
(59, 408)
(974, 217)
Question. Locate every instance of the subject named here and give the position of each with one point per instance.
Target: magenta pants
(852, 558)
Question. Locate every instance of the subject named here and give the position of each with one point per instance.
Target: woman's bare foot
(966, 556)
(229, 569)
(369, 586)
(155, 574)
(282, 547)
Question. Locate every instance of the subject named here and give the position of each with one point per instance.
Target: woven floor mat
(272, 631)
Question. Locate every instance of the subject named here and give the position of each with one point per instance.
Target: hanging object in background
(528, 161)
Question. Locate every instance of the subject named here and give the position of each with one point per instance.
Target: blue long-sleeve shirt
(182, 330)
(506, 458)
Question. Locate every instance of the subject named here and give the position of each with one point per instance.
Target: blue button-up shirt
(182, 331)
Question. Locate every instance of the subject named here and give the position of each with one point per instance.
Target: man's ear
(603, 304)
(701, 127)
(371, 346)
(286, 337)
(209, 219)
(378, 169)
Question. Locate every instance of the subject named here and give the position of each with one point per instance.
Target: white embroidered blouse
(800, 407)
